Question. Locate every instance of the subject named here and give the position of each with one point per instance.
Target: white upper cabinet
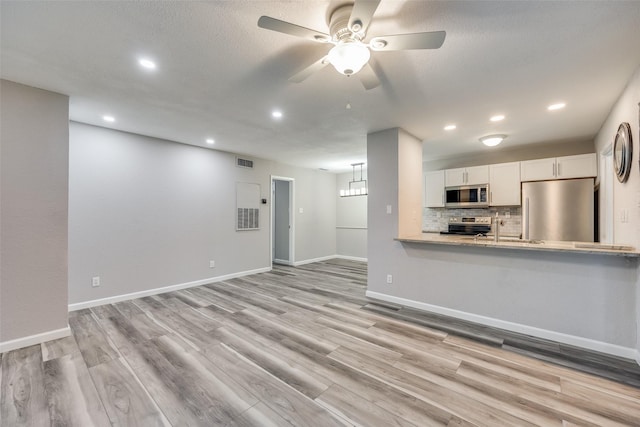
(467, 176)
(434, 189)
(579, 166)
(504, 184)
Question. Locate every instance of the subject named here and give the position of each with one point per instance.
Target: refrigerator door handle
(525, 219)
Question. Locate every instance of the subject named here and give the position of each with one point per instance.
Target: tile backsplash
(437, 219)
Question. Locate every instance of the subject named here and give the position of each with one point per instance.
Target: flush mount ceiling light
(492, 140)
(357, 187)
(147, 63)
(497, 118)
(558, 106)
(108, 118)
(449, 127)
(276, 114)
(210, 141)
(349, 56)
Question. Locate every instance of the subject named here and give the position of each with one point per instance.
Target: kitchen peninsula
(579, 296)
(519, 244)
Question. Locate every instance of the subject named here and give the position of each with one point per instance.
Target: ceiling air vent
(244, 163)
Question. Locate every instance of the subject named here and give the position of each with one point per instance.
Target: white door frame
(292, 230)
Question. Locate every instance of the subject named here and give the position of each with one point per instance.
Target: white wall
(585, 300)
(145, 213)
(351, 219)
(33, 198)
(626, 196)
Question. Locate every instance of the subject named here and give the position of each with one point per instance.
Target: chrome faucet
(496, 228)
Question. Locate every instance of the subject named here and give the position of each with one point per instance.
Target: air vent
(248, 219)
(244, 163)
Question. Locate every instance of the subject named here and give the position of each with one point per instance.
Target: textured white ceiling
(219, 75)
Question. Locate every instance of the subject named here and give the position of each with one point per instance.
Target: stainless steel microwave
(467, 196)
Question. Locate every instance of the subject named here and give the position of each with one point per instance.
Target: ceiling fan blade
(362, 14)
(303, 74)
(273, 24)
(431, 40)
(368, 77)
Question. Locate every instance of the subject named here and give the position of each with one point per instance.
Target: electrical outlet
(507, 214)
(95, 282)
(212, 264)
(389, 279)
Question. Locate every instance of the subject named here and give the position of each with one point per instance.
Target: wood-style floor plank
(304, 346)
(126, 401)
(71, 394)
(22, 400)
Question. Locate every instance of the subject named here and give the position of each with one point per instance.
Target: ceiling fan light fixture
(349, 57)
(492, 140)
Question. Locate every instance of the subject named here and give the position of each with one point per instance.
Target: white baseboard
(149, 292)
(309, 261)
(34, 339)
(602, 347)
(351, 258)
(328, 257)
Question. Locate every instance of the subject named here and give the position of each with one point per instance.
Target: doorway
(282, 224)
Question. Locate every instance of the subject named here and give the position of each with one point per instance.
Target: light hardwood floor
(295, 346)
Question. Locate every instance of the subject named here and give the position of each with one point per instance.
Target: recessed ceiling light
(109, 119)
(492, 140)
(497, 118)
(276, 114)
(210, 141)
(449, 127)
(558, 106)
(147, 63)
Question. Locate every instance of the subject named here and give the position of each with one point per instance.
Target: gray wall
(626, 196)
(588, 300)
(351, 219)
(145, 213)
(34, 193)
(314, 194)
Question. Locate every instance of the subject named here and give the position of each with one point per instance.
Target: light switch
(388, 209)
(301, 210)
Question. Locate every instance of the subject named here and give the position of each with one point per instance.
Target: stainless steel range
(469, 226)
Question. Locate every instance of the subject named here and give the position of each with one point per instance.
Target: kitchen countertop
(508, 242)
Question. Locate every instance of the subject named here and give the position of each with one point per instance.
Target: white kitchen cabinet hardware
(566, 167)
(467, 176)
(504, 184)
(434, 189)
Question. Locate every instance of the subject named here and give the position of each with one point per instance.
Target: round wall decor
(622, 152)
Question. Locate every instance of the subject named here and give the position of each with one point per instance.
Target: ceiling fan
(348, 26)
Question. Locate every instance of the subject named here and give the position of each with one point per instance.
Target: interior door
(281, 235)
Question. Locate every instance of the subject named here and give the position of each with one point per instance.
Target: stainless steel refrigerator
(558, 210)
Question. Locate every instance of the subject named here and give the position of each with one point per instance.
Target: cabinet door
(477, 175)
(580, 166)
(504, 184)
(455, 177)
(538, 170)
(434, 189)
